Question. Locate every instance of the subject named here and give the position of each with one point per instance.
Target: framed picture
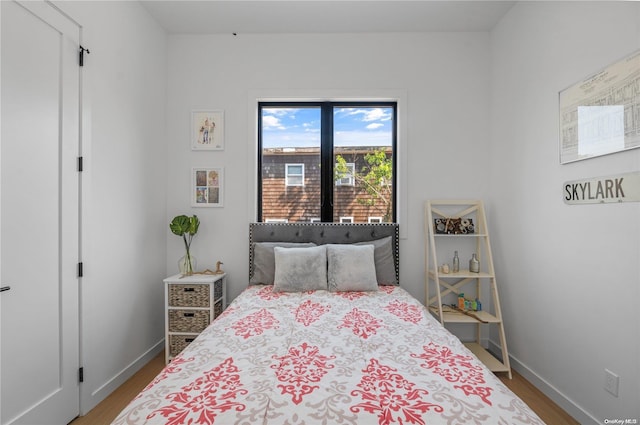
(207, 130)
(207, 187)
(598, 115)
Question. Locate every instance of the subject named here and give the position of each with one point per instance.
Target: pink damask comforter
(319, 357)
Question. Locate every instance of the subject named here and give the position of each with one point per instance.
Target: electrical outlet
(611, 382)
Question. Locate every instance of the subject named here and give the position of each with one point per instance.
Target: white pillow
(264, 263)
(351, 268)
(300, 269)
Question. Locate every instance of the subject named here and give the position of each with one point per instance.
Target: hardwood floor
(544, 407)
(105, 412)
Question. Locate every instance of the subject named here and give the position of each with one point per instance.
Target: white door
(39, 318)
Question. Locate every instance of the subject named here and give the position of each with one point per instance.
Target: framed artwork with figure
(207, 130)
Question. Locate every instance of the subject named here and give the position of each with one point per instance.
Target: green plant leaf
(180, 225)
(194, 224)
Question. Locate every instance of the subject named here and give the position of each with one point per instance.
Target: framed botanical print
(207, 187)
(207, 130)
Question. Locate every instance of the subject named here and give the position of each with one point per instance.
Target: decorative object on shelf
(456, 262)
(207, 130)
(218, 269)
(474, 264)
(444, 268)
(453, 226)
(186, 227)
(207, 187)
(469, 313)
(467, 304)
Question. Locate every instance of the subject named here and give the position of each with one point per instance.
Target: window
(276, 220)
(294, 174)
(346, 219)
(375, 220)
(344, 173)
(327, 160)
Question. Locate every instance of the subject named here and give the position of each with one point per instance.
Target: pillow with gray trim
(351, 268)
(385, 264)
(300, 269)
(264, 263)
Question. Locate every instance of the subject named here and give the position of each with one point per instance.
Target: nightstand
(191, 304)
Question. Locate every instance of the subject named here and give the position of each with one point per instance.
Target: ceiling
(324, 16)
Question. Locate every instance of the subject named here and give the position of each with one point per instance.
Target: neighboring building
(291, 187)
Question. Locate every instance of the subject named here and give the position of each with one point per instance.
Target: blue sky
(300, 127)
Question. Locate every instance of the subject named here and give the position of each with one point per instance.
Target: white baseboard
(568, 405)
(90, 401)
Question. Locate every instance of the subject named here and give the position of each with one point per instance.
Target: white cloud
(375, 115)
(271, 122)
(369, 114)
(374, 125)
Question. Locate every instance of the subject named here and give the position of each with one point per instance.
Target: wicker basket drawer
(218, 308)
(217, 289)
(177, 343)
(186, 295)
(193, 321)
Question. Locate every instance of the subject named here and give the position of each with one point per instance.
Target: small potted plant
(186, 227)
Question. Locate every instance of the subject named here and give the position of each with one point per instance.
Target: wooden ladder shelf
(461, 225)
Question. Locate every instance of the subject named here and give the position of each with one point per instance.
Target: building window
(327, 160)
(294, 174)
(375, 220)
(344, 174)
(276, 220)
(346, 219)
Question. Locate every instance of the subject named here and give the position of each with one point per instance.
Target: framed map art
(601, 114)
(207, 188)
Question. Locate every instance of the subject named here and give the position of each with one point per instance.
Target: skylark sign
(600, 190)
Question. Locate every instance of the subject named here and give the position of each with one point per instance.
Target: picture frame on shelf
(207, 130)
(207, 187)
(453, 226)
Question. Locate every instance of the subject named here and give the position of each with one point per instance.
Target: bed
(351, 352)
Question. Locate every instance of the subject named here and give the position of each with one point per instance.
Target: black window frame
(327, 160)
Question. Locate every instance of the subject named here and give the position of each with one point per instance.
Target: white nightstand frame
(194, 282)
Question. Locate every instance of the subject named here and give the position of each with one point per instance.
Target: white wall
(445, 78)
(569, 274)
(124, 185)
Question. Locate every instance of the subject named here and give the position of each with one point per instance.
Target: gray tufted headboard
(324, 233)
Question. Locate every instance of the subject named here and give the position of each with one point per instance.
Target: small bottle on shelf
(474, 264)
(461, 301)
(456, 262)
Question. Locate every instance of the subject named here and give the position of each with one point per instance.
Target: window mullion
(326, 161)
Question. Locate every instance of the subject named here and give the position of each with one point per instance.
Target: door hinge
(81, 374)
(81, 55)
(80, 163)
(80, 269)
